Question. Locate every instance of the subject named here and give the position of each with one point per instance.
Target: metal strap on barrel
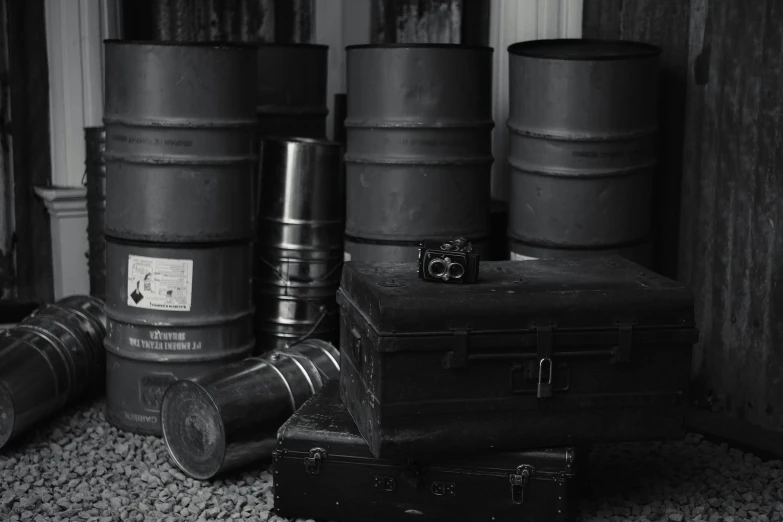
(287, 386)
(287, 281)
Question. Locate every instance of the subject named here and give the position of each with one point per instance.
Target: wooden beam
(29, 81)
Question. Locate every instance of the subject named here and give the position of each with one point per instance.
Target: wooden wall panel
(29, 83)
(732, 235)
(663, 23)
(723, 68)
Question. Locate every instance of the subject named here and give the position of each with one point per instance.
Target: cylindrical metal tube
(95, 179)
(206, 422)
(180, 155)
(582, 122)
(48, 360)
(173, 311)
(419, 150)
(299, 251)
(292, 89)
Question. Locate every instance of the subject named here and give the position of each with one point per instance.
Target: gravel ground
(81, 469)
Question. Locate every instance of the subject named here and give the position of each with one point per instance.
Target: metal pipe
(229, 417)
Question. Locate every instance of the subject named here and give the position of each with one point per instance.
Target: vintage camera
(451, 261)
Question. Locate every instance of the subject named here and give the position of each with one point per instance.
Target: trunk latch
(545, 367)
(519, 481)
(313, 462)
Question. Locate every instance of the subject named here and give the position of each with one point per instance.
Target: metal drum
(582, 122)
(292, 89)
(299, 251)
(419, 146)
(227, 418)
(408, 252)
(95, 179)
(180, 124)
(173, 311)
(640, 253)
(48, 360)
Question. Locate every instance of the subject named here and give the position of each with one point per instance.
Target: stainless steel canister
(419, 147)
(582, 120)
(95, 179)
(180, 125)
(299, 250)
(229, 417)
(292, 89)
(49, 359)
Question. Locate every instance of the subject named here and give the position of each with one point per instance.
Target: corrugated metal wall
(430, 21)
(284, 21)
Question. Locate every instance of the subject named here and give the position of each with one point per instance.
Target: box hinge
(624, 342)
(545, 367)
(458, 357)
(519, 481)
(313, 462)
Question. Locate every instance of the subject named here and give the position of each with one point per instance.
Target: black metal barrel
(180, 157)
(48, 360)
(419, 147)
(582, 121)
(640, 253)
(299, 251)
(292, 89)
(95, 179)
(228, 418)
(173, 311)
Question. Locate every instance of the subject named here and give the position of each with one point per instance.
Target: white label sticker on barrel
(519, 257)
(160, 284)
(346, 257)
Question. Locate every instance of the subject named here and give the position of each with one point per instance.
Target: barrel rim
(528, 49)
(300, 140)
(218, 451)
(215, 45)
(461, 47)
(292, 45)
(7, 406)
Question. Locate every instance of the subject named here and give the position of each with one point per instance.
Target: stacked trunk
(299, 252)
(180, 203)
(419, 150)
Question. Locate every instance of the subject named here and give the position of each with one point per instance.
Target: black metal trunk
(419, 150)
(541, 353)
(323, 469)
(583, 123)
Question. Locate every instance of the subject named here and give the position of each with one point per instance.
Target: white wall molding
(75, 31)
(513, 21)
(68, 218)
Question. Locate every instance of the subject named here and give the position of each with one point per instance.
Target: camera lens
(436, 268)
(456, 270)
